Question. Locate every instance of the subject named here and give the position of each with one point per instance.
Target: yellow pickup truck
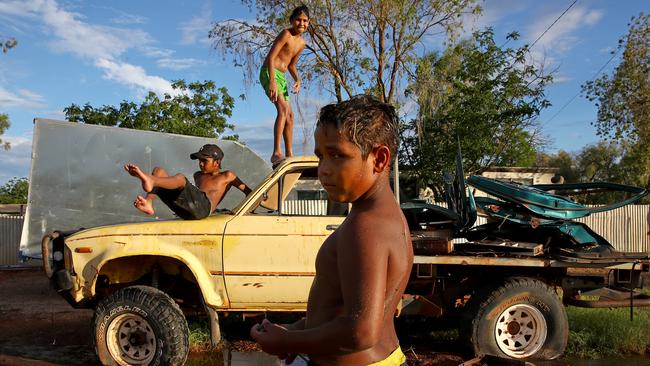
(142, 278)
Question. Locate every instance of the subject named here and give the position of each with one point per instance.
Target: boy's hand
(273, 92)
(296, 87)
(270, 337)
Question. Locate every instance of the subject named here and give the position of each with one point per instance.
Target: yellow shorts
(397, 358)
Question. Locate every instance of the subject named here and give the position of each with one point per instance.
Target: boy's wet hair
(365, 121)
(299, 10)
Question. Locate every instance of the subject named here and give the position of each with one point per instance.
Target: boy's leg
(157, 178)
(278, 128)
(288, 130)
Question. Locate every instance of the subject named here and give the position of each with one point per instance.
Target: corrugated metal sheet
(77, 177)
(626, 228)
(306, 207)
(10, 229)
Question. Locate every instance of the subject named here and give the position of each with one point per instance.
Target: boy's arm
(240, 185)
(279, 42)
(294, 72)
(362, 266)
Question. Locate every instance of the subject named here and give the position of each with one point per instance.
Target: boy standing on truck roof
(283, 56)
(363, 267)
(182, 197)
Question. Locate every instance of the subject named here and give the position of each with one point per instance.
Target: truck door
(269, 252)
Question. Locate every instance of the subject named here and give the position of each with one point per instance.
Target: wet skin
(361, 269)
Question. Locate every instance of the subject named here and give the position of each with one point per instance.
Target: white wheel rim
(130, 340)
(520, 331)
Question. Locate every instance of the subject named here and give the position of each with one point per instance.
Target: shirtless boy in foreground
(182, 197)
(363, 267)
(283, 56)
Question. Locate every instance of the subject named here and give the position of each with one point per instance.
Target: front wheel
(140, 325)
(519, 318)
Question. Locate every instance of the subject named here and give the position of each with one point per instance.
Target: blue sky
(103, 52)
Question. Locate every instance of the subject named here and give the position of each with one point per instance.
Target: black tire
(140, 325)
(521, 318)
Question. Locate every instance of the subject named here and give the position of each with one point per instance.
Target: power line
(578, 93)
(552, 24)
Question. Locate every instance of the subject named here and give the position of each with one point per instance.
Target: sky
(105, 52)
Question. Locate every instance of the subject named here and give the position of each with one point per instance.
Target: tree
(14, 191)
(623, 99)
(198, 109)
(4, 126)
(562, 160)
(353, 45)
(481, 96)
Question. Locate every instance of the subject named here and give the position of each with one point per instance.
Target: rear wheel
(519, 318)
(140, 325)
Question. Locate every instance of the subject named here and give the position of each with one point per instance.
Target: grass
(600, 333)
(594, 333)
(200, 336)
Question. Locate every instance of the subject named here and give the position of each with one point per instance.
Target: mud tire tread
(491, 296)
(164, 315)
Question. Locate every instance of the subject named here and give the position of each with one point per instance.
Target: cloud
(16, 161)
(180, 63)
(157, 52)
(559, 36)
(126, 18)
(24, 98)
(494, 11)
(561, 79)
(68, 32)
(134, 76)
(196, 29)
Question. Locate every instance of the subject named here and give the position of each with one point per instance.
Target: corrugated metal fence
(10, 229)
(626, 228)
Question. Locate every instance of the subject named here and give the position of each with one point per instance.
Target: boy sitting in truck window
(182, 197)
(363, 267)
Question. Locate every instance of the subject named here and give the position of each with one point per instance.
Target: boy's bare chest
(292, 47)
(209, 182)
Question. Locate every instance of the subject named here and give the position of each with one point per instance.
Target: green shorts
(280, 82)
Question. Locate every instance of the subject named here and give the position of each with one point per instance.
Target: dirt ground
(39, 328)
(38, 324)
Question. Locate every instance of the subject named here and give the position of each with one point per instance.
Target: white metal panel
(77, 177)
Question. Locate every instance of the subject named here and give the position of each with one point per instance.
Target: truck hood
(213, 225)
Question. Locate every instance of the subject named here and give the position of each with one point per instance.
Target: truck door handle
(331, 227)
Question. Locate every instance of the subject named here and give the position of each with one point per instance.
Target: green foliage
(4, 126)
(599, 333)
(14, 191)
(562, 160)
(479, 95)
(353, 46)
(601, 162)
(623, 98)
(196, 109)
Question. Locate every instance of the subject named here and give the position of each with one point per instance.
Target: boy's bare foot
(276, 158)
(143, 205)
(146, 179)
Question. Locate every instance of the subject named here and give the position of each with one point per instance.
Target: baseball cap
(208, 151)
